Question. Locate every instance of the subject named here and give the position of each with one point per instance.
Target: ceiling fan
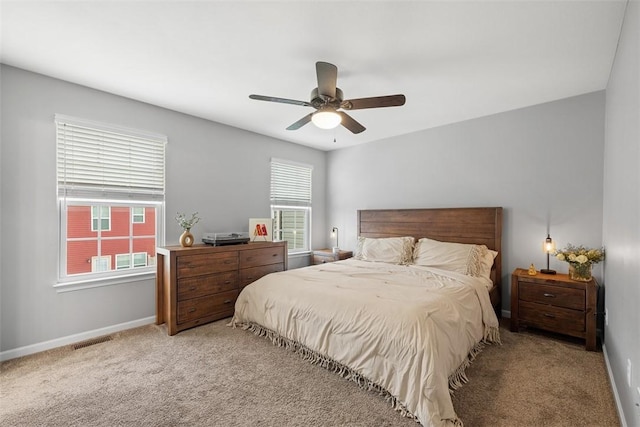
(327, 99)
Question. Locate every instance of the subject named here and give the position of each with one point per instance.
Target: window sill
(77, 285)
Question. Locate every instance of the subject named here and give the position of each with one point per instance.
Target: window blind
(290, 183)
(103, 161)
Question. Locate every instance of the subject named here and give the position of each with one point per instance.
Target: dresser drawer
(195, 287)
(258, 257)
(249, 275)
(557, 319)
(198, 265)
(216, 305)
(554, 295)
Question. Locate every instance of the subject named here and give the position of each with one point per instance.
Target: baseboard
(72, 339)
(623, 422)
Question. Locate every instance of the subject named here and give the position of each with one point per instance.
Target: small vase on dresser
(186, 238)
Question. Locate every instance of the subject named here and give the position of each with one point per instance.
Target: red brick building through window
(105, 238)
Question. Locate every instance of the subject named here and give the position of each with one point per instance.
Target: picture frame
(261, 229)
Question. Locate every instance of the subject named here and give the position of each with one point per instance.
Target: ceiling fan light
(326, 119)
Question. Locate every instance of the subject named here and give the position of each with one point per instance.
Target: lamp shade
(326, 118)
(548, 246)
(334, 235)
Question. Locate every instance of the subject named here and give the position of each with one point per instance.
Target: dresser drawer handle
(549, 295)
(249, 278)
(192, 288)
(274, 254)
(249, 258)
(227, 282)
(192, 309)
(549, 315)
(227, 301)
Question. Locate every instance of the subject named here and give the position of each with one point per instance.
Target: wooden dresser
(200, 284)
(555, 303)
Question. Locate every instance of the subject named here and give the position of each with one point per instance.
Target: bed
(405, 317)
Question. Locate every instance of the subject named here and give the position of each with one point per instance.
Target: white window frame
(100, 218)
(122, 186)
(131, 260)
(291, 189)
(135, 215)
(123, 256)
(98, 262)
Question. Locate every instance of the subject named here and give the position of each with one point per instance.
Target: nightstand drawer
(553, 295)
(557, 319)
(323, 256)
(321, 259)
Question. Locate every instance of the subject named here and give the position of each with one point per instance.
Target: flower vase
(186, 238)
(580, 272)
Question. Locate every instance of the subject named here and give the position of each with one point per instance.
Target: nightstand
(555, 303)
(322, 256)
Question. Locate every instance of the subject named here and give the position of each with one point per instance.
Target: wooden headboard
(481, 226)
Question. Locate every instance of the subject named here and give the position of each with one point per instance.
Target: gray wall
(621, 227)
(542, 164)
(219, 171)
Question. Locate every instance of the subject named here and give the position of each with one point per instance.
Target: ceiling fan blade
(373, 102)
(350, 123)
(303, 121)
(280, 100)
(327, 78)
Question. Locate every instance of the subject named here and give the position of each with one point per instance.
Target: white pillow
(486, 263)
(393, 250)
(468, 259)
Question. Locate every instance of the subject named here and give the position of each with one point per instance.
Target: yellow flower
(582, 259)
(560, 257)
(572, 257)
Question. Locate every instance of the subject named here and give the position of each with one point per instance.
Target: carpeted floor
(218, 376)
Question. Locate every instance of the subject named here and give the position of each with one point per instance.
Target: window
(100, 263)
(124, 260)
(100, 218)
(291, 204)
(111, 198)
(137, 215)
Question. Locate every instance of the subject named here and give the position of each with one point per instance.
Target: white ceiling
(453, 60)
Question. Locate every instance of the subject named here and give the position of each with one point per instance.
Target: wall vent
(93, 341)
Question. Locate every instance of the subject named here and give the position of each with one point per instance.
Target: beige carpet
(218, 376)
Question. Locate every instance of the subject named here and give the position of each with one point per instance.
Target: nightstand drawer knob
(549, 295)
(549, 315)
(227, 301)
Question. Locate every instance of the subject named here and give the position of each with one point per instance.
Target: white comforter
(408, 330)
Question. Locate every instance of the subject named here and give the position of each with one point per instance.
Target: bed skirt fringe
(459, 376)
(492, 334)
(456, 380)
